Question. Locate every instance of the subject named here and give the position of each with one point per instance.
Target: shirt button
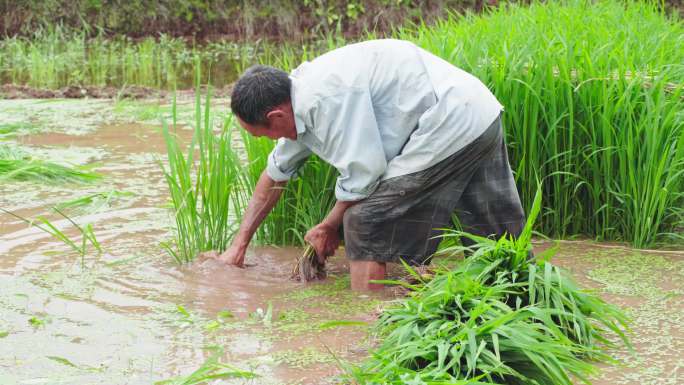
(402, 192)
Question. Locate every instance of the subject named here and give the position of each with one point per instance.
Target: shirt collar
(296, 108)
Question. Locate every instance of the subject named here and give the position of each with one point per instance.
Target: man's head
(261, 101)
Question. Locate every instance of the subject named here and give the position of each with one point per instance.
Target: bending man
(414, 139)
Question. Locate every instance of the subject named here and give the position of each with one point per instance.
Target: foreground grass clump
(16, 165)
(501, 317)
(593, 93)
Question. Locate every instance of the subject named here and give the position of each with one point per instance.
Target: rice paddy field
(105, 203)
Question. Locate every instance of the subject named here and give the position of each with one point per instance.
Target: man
(414, 139)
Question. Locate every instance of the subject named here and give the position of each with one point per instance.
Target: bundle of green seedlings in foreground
(501, 317)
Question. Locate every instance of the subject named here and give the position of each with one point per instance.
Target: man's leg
(364, 271)
(490, 204)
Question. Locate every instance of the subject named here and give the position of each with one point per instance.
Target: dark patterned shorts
(402, 217)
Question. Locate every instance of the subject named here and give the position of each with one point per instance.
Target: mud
(14, 91)
(130, 315)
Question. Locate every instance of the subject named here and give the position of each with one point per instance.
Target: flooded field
(130, 315)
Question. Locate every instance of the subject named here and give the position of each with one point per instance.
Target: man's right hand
(234, 256)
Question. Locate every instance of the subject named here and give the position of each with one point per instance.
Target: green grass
(94, 202)
(211, 369)
(498, 318)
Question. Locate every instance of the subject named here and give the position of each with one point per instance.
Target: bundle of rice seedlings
(308, 267)
(500, 317)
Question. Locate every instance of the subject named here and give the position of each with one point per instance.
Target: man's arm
(265, 196)
(334, 218)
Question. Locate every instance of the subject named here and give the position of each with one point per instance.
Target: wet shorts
(402, 217)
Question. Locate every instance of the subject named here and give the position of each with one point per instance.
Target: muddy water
(129, 315)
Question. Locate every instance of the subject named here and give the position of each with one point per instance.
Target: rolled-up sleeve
(285, 159)
(352, 143)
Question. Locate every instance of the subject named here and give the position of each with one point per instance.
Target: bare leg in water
(364, 271)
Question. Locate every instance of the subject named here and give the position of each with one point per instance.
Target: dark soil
(14, 91)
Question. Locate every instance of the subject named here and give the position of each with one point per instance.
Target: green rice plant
(57, 57)
(16, 165)
(205, 182)
(41, 171)
(94, 202)
(594, 94)
(20, 128)
(500, 317)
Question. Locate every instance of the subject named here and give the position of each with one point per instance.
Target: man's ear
(275, 114)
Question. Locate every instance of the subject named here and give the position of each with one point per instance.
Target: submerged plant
(211, 369)
(81, 247)
(501, 317)
(94, 202)
(17, 165)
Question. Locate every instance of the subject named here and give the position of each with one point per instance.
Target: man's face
(279, 124)
(259, 130)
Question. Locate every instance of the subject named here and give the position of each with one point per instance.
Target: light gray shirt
(380, 109)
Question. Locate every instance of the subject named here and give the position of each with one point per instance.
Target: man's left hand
(324, 239)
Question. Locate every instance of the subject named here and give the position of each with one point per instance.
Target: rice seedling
(308, 267)
(12, 129)
(94, 202)
(205, 185)
(80, 247)
(498, 318)
(16, 165)
(58, 57)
